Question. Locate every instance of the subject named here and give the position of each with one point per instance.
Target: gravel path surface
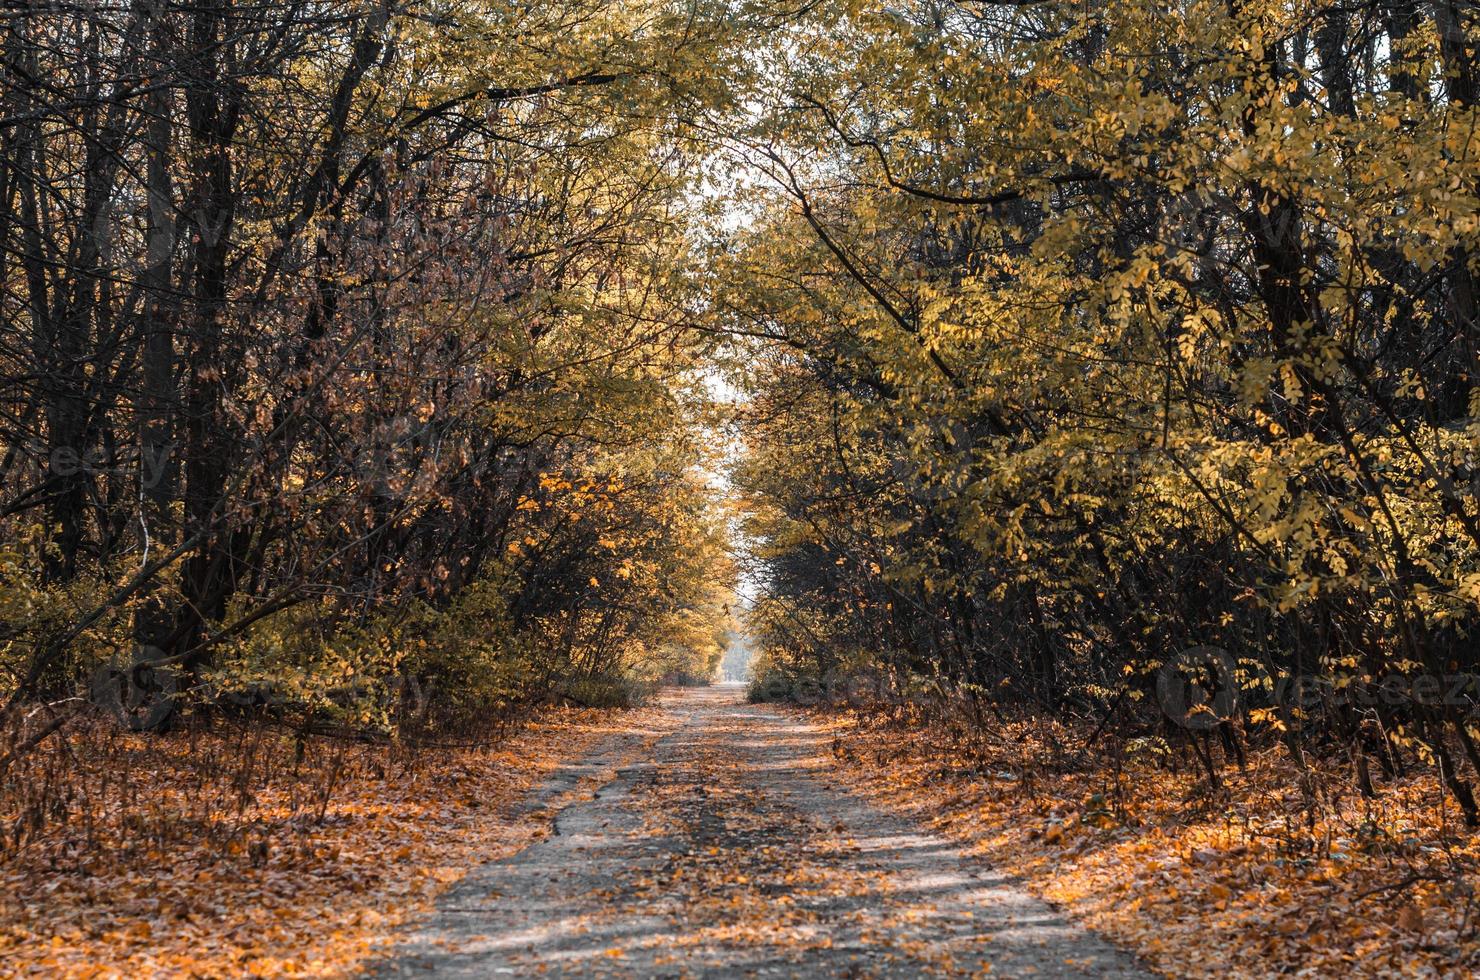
(731, 848)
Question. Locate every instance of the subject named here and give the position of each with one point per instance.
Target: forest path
(728, 848)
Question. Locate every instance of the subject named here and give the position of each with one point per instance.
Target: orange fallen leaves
(250, 866)
(1260, 879)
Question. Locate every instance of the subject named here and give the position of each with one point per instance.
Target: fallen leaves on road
(224, 854)
(1253, 880)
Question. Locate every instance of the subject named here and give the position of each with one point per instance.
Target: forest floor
(1275, 872)
(234, 852)
(704, 836)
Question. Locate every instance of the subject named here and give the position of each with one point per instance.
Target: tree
(1123, 331)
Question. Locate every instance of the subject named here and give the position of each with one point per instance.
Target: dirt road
(731, 847)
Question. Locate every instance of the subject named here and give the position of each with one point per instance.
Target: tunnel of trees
(391, 367)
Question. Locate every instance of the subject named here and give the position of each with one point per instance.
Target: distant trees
(1083, 336)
